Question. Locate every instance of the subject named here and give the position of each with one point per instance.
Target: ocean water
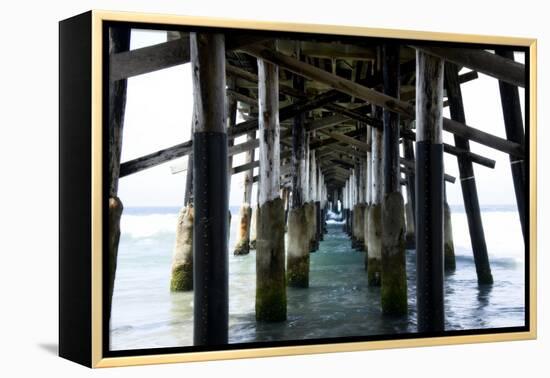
(338, 303)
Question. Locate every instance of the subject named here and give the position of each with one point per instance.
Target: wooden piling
(312, 217)
(318, 207)
(368, 197)
(119, 41)
(467, 180)
(210, 265)
(408, 151)
(345, 206)
(243, 244)
(298, 243)
(429, 190)
(513, 123)
(360, 214)
(393, 271)
(375, 212)
(270, 244)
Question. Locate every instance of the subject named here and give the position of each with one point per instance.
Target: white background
(28, 188)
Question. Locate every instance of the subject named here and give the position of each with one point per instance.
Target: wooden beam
(346, 139)
(289, 111)
(148, 59)
(339, 83)
(253, 103)
(356, 114)
(499, 67)
(155, 158)
(387, 102)
(347, 114)
(357, 154)
(324, 122)
(337, 50)
(474, 158)
(464, 78)
(409, 167)
(159, 157)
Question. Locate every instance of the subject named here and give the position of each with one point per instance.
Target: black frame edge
(75, 180)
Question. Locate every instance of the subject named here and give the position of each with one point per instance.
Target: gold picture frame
(95, 263)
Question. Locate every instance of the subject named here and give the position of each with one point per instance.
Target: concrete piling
(182, 257)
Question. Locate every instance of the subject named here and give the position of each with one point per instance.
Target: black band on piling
(210, 266)
(429, 237)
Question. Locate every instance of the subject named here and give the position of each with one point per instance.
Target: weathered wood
(242, 246)
(253, 103)
(393, 291)
(409, 168)
(156, 158)
(231, 119)
(209, 85)
(210, 267)
(346, 150)
(347, 114)
(183, 149)
(408, 150)
(344, 85)
(387, 102)
(290, 111)
(253, 78)
(369, 169)
(467, 180)
(482, 61)
(119, 41)
(149, 59)
(513, 124)
(377, 175)
(324, 122)
(429, 190)
(249, 157)
(270, 255)
(163, 55)
(356, 113)
(312, 176)
(475, 158)
(390, 160)
(298, 151)
(374, 247)
(188, 196)
(464, 78)
(337, 50)
(346, 139)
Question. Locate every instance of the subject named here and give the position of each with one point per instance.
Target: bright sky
(159, 111)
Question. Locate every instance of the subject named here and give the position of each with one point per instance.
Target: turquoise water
(338, 302)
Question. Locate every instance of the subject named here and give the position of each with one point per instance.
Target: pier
(340, 126)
